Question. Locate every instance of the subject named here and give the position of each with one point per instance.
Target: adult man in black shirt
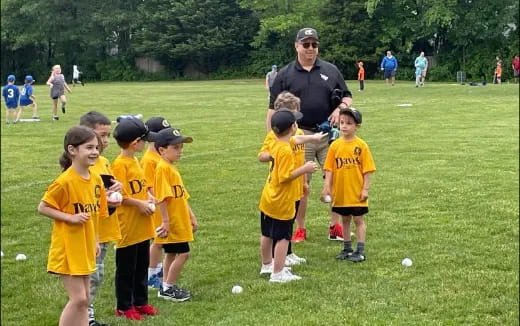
(314, 81)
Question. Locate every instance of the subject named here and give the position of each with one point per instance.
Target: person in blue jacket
(389, 66)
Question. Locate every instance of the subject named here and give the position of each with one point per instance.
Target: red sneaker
(130, 314)
(147, 310)
(300, 235)
(336, 232)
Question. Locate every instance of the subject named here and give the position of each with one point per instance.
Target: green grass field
(445, 194)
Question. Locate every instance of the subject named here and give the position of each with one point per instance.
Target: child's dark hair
(93, 118)
(75, 136)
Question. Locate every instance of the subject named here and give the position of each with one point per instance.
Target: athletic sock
(151, 272)
(166, 286)
(360, 247)
(347, 245)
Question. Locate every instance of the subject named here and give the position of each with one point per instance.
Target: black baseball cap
(354, 113)
(307, 32)
(283, 119)
(171, 136)
(129, 130)
(156, 124)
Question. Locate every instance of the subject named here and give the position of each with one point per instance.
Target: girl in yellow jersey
(76, 201)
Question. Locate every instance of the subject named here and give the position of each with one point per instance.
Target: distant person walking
(422, 63)
(515, 64)
(57, 85)
(75, 76)
(498, 68)
(361, 76)
(270, 77)
(389, 66)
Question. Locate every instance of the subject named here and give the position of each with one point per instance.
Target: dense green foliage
(238, 38)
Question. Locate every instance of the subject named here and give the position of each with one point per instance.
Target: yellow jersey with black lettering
(149, 162)
(298, 150)
(73, 246)
(108, 227)
(170, 188)
(280, 193)
(135, 226)
(348, 161)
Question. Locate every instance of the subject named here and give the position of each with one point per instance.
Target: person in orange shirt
(361, 76)
(135, 222)
(498, 73)
(76, 201)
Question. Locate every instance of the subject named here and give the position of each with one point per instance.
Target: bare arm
(366, 186)
(302, 139)
(270, 113)
(50, 80)
(49, 211)
(346, 102)
(308, 167)
(264, 157)
(142, 205)
(327, 186)
(165, 218)
(67, 86)
(194, 223)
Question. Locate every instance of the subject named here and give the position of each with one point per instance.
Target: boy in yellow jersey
(297, 142)
(109, 227)
(281, 191)
(135, 222)
(76, 201)
(178, 221)
(348, 167)
(149, 161)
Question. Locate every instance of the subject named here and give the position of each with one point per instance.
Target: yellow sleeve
(267, 145)
(285, 163)
(56, 196)
(163, 188)
(367, 161)
(119, 173)
(329, 161)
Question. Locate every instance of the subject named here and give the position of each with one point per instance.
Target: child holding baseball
(108, 228)
(178, 221)
(11, 95)
(149, 162)
(76, 201)
(281, 190)
(57, 86)
(348, 167)
(135, 222)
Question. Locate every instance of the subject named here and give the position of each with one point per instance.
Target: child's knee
(81, 301)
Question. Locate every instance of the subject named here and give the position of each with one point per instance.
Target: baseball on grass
(237, 289)
(2, 253)
(151, 206)
(407, 262)
(115, 197)
(327, 199)
(21, 257)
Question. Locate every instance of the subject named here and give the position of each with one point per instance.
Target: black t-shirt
(314, 88)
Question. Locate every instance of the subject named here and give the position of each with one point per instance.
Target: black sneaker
(357, 257)
(56, 118)
(174, 294)
(96, 323)
(63, 108)
(344, 254)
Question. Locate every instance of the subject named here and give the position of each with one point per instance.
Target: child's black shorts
(276, 229)
(176, 248)
(347, 211)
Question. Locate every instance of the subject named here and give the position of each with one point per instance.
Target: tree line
(243, 38)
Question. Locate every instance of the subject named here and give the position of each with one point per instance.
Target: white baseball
(327, 199)
(159, 233)
(20, 257)
(115, 197)
(237, 289)
(407, 262)
(2, 253)
(151, 206)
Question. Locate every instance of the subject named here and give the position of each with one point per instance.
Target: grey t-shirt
(271, 75)
(58, 86)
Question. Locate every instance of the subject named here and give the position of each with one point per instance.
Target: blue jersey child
(11, 95)
(27, 98)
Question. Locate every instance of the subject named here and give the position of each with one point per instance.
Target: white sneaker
(290, 261)
(284, 276)
(300, 260)
(266, 268)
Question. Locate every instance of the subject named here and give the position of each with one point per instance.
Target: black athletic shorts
(276, 229)
(347, 211)
(176, 248)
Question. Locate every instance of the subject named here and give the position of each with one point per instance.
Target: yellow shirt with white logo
(135, 226)
(108, 227)
(298, 150)
(348, 161)
(73, 246)
(149, 162)
(279, 194)
(170, 188)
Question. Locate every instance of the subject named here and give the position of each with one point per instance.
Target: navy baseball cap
(283, 119)
(29, 79)
(156, 124)
(11, 78)
(354, 113)
(307, 32)
(171, 136)
(129, 130)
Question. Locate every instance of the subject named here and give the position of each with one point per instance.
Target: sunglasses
(306, 45)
